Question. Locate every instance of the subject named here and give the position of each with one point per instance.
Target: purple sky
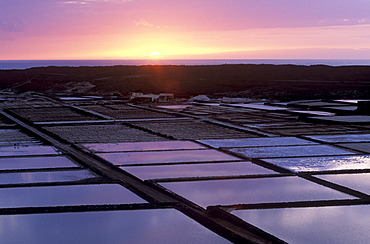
(82, 29)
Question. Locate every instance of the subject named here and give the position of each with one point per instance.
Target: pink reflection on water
(196, 170)
(256, 142)
(239, 191)
(323, 163)
(143, 146)
(290, 151)
(42, 177)
(341, 224)
(166, 157)
(164, 226)
(359, 182)
(35, 162)
(67, 195)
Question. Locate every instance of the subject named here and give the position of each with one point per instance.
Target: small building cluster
(140, 97)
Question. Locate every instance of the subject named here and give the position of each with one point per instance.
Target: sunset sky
(220, 29)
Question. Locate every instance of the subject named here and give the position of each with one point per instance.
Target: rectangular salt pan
(256, 142)
(35, 163)
(176, 106)
(362, 119)
(259, 107)
(163, 226)
(244, 191)
(163, 157)
(342, 108)
(74, 98)
(196, 170)
(290, 151)
(350, 100)
(318, 104)
(45, 177)
(342, 138)
(27, 151)
(143, 146)
(338, 224)
(18, 143)
(358, 182)
(13, 135)
(319, 113)
(66, 195)
(322, 163)
(364, 147)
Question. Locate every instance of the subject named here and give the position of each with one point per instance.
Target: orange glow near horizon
(254, 43)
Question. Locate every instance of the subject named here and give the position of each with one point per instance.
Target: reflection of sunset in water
(277, 189)
(159, 157)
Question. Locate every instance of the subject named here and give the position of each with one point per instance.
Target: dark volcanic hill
(254, 81)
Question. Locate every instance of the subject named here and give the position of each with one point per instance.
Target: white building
(141, 97)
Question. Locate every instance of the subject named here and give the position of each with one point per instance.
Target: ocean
(25, 64)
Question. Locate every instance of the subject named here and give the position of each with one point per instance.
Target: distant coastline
(25, 64)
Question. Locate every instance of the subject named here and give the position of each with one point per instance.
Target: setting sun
(155, 54)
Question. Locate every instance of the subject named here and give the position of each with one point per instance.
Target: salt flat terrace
(105, 171)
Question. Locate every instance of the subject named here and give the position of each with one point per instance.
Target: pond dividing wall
(82, 172)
